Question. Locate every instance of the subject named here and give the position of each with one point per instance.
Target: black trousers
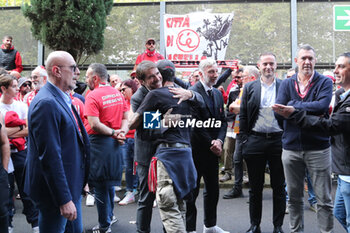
(29, 208)
(4, 193)
(258, 152)
(207, 165)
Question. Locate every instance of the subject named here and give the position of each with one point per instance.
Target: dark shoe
(233, 193)
(254, 229)
(225, 177)
(278, 230)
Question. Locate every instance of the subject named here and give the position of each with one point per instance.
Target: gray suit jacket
(144, 149)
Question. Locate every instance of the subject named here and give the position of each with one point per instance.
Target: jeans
(318, 163)
(310, 191)
(105, 194)
(128, 158)
(51, 220)
(342, 204)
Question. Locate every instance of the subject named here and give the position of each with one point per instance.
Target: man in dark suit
(150, 78)
(58, 150)
(261, 134)
(206, 149)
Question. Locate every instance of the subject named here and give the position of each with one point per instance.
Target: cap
(150, 39)
(166, 68)
(133, 74)
(22, 80)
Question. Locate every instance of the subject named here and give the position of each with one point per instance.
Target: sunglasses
(26, 85)
(72, 67)
(151, 43)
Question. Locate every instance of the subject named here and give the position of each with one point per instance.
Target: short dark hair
(142, 69)
(6, 80)
(347, 54)
(266, 54)
(132, 84)
(100, 70)
(306, 47)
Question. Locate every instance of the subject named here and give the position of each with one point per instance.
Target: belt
(267, 135)
(173, 145)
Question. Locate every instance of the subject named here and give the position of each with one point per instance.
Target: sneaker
(118, 188)
(129, 198)
(214, 229)
(225, 177)
(233, 193)
(313, 207)
(245, 179)
(114, 220)
(191, 232)
(36, 229)
(97, 229)
(90, 200)
(116, 198)
(10, 229)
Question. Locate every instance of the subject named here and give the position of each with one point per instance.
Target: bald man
(58, 152)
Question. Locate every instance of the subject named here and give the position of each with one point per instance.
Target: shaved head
(56, 58)
(62, 70)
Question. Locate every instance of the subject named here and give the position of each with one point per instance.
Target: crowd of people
(58, 145)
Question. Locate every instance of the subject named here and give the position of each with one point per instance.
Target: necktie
(210, 93)
(211, 99)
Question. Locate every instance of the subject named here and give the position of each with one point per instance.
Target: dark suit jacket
(144, 147)
(202, 137)
(58, 154)
(250, 106)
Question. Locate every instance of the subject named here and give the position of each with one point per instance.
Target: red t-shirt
(29, 97)
(106, 103)
(144, 57)
(79, 106)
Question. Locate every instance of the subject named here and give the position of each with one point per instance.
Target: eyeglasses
(35, 77)
(72, 67)
(151, 43)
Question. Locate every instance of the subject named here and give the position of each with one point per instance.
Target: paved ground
(232, 216)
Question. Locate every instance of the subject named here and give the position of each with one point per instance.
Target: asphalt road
(233, 216)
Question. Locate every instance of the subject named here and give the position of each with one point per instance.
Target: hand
(69, 211)
(120, 137)
(234, 108)
(283, 110)
(180, 93)
(221, 88)
(216, 147)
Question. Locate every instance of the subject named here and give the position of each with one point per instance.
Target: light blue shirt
(64, 95)
(266, 122)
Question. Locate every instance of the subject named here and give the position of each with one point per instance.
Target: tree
(70, 25)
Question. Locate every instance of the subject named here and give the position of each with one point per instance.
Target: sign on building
(194, 36)
(341, 17)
